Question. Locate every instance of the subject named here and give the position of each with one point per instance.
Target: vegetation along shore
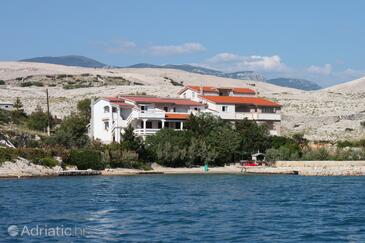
(26, 150)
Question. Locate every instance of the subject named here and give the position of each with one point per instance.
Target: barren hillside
(331, 114)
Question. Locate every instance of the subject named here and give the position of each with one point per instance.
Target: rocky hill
(356, 86)
(321, 115)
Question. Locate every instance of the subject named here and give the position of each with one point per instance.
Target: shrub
(316, 154)
(31, 83)
(86, 159)
(2, 82)
(38, 120)
(71, 133)
(7, 154)
(5, 116)
(47, 161)
(362, 123)
(31, 154)
(84, 108)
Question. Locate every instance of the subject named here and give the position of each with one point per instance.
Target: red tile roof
(122, 104)
(204, 88)
(152, 99)
(114, 99)
(176, 116)
(243, 91)
(241, 100)
(212, 89)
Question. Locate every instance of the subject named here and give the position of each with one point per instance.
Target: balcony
(147, 131)
(150, 114)
(250, 116)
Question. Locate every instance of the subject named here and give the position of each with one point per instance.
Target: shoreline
(24, 169)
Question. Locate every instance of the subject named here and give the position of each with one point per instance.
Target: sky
(322, 41)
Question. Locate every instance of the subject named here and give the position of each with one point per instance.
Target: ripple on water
(191, 207)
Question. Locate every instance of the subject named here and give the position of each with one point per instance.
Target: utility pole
(49, 117)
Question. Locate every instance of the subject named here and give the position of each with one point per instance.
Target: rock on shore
(23, 168)
(323, 168)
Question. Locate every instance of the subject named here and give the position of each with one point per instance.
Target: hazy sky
(323, 41)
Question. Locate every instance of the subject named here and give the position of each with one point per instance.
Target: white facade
(7, 106)
(269, 115)
(147, 115)
(109, 117)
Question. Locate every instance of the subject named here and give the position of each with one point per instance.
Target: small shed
(6, 106)
(258, 157)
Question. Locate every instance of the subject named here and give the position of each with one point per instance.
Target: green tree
(253, 137)
(225, 142)
(72, 133)
(201, 153)
(201, 125)
(84, 108)
(130, 141)
(38, 120)
(168, 147)
(18, 115)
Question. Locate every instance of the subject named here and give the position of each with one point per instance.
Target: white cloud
(119, 46)
(325, 70)
(231, 62)
(185, 48)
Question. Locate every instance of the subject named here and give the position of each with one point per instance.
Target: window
(106, 125)
(149, 124)
(144, 108)
(166, 109)
(224, 108)
(178, 125)
(195, 108)
(193, 94)
(159, 124)
(174, 109)
(268, 110)
(106, 109)
(114, 109)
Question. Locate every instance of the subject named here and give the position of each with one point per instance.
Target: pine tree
(18, 105)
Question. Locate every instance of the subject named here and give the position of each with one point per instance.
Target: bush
(31, 154)
(2, 82)
(38, 120)
(71, 133)
(86, 159)
(30, 83)
(316, 154)
(5, 116)
(7, 154)
(362, 123)
(47, 161)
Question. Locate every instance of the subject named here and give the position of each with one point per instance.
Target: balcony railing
(147, 131)
(250, 116)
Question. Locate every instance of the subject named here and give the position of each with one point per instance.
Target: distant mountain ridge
(81, 61)
(70, 60)
(295, 83)
(243, 75)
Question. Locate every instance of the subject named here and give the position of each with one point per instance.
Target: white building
(7, 106)
(236, 104)
(148, 114)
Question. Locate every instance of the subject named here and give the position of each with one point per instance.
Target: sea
(183, 208)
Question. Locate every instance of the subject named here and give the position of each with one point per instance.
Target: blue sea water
(183, 208)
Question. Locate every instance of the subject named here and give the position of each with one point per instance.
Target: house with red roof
(148, 114)
(236, 103)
